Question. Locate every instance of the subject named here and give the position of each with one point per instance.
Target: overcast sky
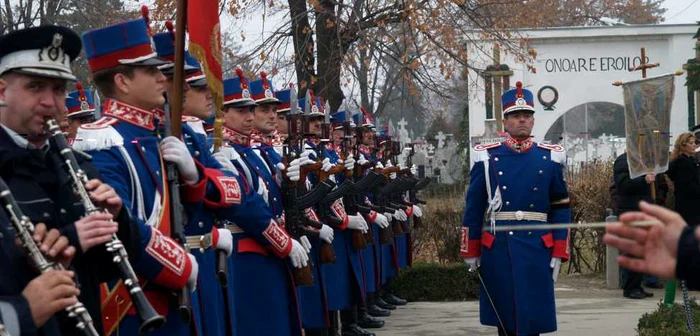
(682, 11)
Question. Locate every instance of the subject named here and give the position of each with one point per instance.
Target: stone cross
(441, 139)
(402, 124)
(499, 76)
(431, 149)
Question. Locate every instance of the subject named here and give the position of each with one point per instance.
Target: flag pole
(179, 72)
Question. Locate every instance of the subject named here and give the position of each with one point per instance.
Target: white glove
(305, 243)
(414, 170)
(473, 263)
(294, 169)
(192, 280)
(350, 162)
(555, 264)
(382, 221)
(326, 233)
(400, 215)
(326, 165)
(379, 165)
(224, 162)
(417, 211)
(362, 160)
(389, 216)
(298, 255)
(225, 241)
(356, 222)
(392, 175)
(175, 151)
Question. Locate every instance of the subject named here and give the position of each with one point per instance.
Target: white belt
(521, 215)
(234, 228)
(202, 242)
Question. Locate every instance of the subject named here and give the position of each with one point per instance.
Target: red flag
(205, 46)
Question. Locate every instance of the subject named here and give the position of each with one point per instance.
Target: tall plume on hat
(244, 81)
(171, 28)
(144, 14)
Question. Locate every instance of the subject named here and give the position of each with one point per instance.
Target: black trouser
(631, 281)
(502, 332)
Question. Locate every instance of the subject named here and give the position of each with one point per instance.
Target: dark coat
(629, 192)
(45, 195)
(683, 171)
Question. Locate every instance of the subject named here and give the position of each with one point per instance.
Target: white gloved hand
(417, 211)
(350, 162)
(225, 241)
(382, 221)
(305, 243)
(192, 280)
(400, 215)
(392, 175)
(326, 165)
(298, 255)
(294, 169)
(225, 163)
(389, 216)
(356, 222)
(555, 264)
(379, 165)
(326, 233)
(473, 263)
(414, 170)
(362, 161)
(175, 151)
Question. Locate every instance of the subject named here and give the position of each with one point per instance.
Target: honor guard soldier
(34, 70)
(210, 308)
(517, 182)
(129, 156)
(81, 109)
(263, 289)
(285, 105)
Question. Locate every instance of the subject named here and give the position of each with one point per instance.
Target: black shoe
(647, 294)
(369, 322)
(394, 300)
(656, 285)
(382, 304)
(375, 311)
(637, 294)
(354, 330)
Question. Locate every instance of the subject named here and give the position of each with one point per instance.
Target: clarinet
(25, 232)
(148, 317)
(3, 331)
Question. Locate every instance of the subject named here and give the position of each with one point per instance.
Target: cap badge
(246, 93)
(520, 102)
(314, 109)
(268, 93)
(54, 51)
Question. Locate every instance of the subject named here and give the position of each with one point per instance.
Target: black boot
(390, 298)
(349, 320)
(375, 311)
(383, 304)
(366, 321)
(334, 329)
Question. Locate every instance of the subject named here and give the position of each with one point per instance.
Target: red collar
(130, 114)
(519, 146)
(236, 137)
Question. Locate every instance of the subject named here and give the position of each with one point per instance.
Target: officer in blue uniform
(34, 70)
(517, 182)
(263, 288)
(128, 155)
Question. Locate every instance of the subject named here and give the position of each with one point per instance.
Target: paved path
(580, 312)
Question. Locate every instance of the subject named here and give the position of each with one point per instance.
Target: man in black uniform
(34, 70)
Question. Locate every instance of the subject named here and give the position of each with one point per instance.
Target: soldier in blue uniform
(212, 311)
(517, 182)
(81, 109)
(263, 288)
(129, 156)
(34, 70)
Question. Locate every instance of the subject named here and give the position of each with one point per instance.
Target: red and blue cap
(237, 91)
(316, 109)
(79, 103)
(262, 91)
(165, 48)
(125, 43)
(518, 99)
(285, 98)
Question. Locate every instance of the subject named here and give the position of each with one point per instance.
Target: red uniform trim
(196, 192)
(561, 249)
(487, 239)
(246, 245)
(548, 240)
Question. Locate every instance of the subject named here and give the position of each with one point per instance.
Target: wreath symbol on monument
(548, 105)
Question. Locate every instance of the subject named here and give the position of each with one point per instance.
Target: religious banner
(647, 123)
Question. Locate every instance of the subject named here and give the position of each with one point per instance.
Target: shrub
(433, 282)
(667, 321)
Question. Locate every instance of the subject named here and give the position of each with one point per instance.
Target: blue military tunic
(526, 182)
(263, 287)
(127, 155)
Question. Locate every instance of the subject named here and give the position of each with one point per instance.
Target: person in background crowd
(683, 171)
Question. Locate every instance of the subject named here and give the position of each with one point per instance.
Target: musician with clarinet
(34, 70)
(130, 157)
(516, 182)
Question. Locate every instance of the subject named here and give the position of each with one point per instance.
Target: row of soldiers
(295, 225)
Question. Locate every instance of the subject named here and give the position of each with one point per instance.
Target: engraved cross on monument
(497, 78)
(441, 139)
